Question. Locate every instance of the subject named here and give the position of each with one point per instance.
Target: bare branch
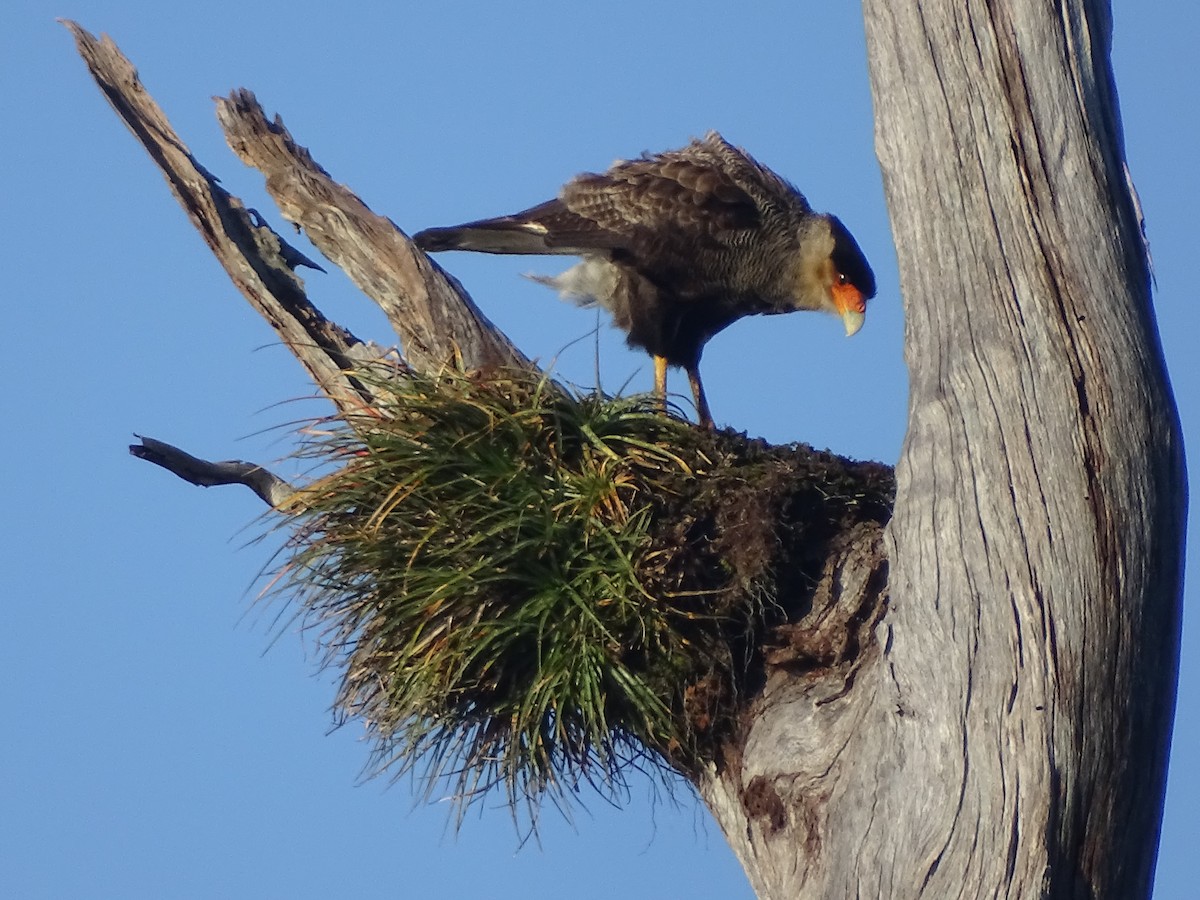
(434, 317)
(430, 311)
(257, 260)
(270, 487)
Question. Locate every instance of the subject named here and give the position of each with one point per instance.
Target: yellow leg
(702, 411)
(660, 380)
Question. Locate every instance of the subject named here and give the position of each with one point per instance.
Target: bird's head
(834, 274)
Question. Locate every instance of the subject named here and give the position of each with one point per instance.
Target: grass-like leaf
(529, 588)
(475, 564)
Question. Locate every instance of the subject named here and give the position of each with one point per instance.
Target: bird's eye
(842, 279)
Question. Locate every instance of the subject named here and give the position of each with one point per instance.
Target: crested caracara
(678, 245)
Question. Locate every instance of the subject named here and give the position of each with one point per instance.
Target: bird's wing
(707, 194)
(679, 193)
(770, 192)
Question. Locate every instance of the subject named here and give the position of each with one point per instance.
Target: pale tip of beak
(853, 322)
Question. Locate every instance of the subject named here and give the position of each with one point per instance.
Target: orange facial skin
(848, 298)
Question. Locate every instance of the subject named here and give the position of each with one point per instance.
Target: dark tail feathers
(494, 236)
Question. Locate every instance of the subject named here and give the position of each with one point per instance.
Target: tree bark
(1008, 734)
(432, 315)
(270, 488)
(258, 261)
(428, 309)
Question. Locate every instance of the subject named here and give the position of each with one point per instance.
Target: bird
(680, 244)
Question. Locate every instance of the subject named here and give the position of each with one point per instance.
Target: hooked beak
(851, 306)
(853, 321)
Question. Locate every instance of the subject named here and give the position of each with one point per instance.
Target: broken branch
(270, 487)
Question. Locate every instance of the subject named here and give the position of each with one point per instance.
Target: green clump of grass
(475, 567)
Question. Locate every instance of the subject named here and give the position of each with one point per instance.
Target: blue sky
(161, 738)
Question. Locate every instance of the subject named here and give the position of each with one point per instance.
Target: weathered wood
(433, 316)
(272, 489)
(429, 310)
(258, 261)
(1007, 734)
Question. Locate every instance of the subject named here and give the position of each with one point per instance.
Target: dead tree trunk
(1009, 735)
(979, 702)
